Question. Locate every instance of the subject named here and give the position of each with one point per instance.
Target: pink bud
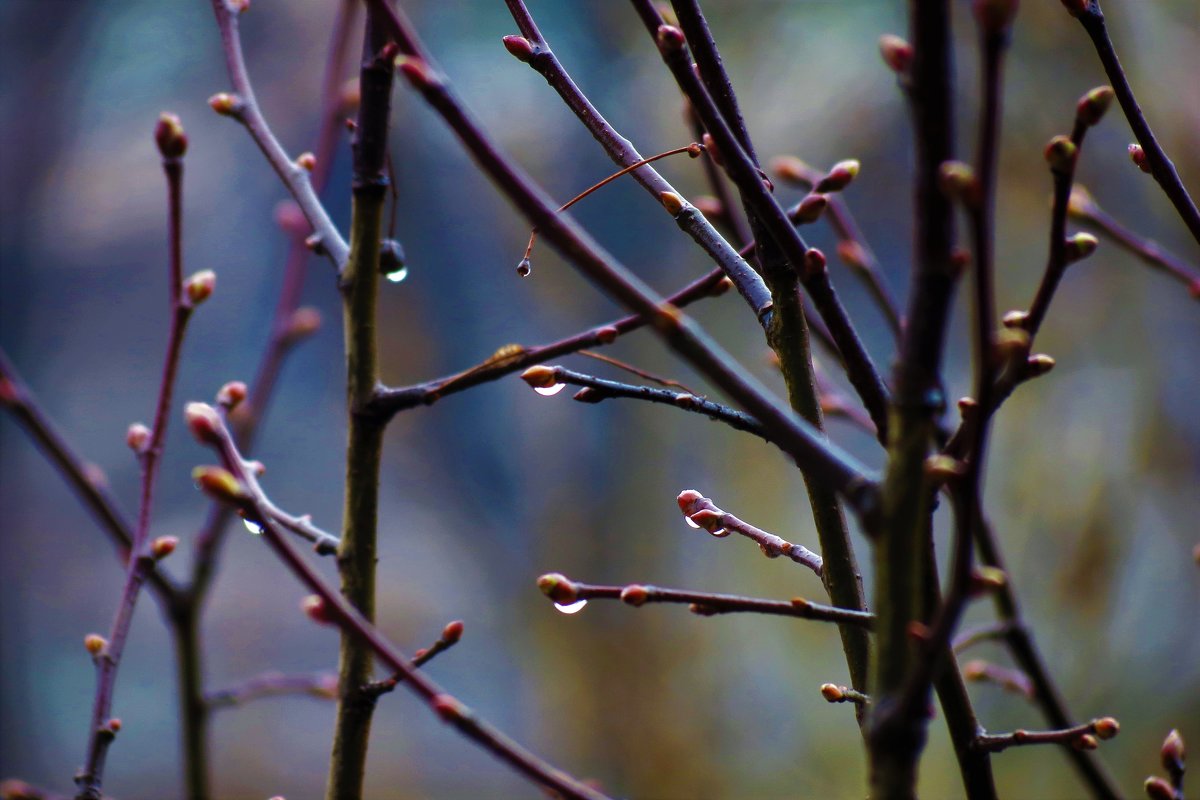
(204, 423)
(518, 47)
(169, 136)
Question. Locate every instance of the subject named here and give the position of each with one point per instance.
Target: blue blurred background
(1092, 483)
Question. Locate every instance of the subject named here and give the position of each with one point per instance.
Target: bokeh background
(1092, 482)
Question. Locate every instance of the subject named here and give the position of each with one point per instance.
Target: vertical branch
(148, 444)
(360, 286)
(901, 553)
(716, 106)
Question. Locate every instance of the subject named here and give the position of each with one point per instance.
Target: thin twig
(1092, 19)
(701, 512)
(389, 401)
(451, 635)
(244, 108)
(542, 59)
(239, 488)
(598, 389)
(1079, 736)
(1083, 207)
(638, 371)
(567, 593)
(321, 685)
(181, 301)
(824, 462)
(983, 633)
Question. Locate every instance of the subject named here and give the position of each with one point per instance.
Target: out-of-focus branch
(1083, 737)
(321, 685)
(1092, 18)
(451, 635)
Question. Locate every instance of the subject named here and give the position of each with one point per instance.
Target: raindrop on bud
(571, 608)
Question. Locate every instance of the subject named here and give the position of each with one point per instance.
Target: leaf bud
(1159, 789)
(1080, 246)
(1107, 727)
(219, 483)
(169, 136)
(231, 395)
(204, 423)
(1086, 742)
(559, 588)
(810, 209)
(417, 72)
(226, 104)
(1093, 105)
(199, 287)
(813, 266)
(839, 176)
(669, 38)
(518, 47)
(958, 182)
(137, 437)
(1138, 156)
(163, 546)
(607, 334)
(304, 322)
(316, 609)
(1060, 153)
(1015, 319)
(833, 693)
(306, 161)
(540, 376)
(673, 203)
(897, 53)
(635, 595)
(1173, 753)
(94, 643)
(790, 169)
(452, 632)
(449, 708)
(1081, 204)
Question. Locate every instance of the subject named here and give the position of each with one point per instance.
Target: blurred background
(1092, 482)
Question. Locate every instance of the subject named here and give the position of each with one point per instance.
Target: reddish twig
(701, 512)
(148, 445)
(236, 485)
(451, 635)
(568, 596)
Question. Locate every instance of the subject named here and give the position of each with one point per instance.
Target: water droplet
(691, 524)
(550, 391)
(397, 276)
(720, 533)
(252, 526)
(571, 608)
(524, 268)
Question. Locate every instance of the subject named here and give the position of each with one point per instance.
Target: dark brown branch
(568, 593)
(389, 401)
(1092, 19)
(599, 389)
(542, 59)
(236, 485)
(825, 463)
(700, 512)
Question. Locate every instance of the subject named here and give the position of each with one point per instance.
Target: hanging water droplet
(720, 533)
(691, 524)
(550, 391)
(524, 268)
(398, 275)
(253, 526)
(391, 260)
(571, 608)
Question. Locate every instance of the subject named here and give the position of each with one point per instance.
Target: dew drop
(524, 268)
(691, 524)
(720, 533)
(571, 608)
(252, 526)
(550, 391)
(396, 276)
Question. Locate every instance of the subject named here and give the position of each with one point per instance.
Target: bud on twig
(452, 632)
(714, 152)
(897, 53)
(316, 609)
(1015, 319)
(1060, 153)
(672, 202)
(1174, 755)
(518, 47)
(810, 209)
(839, 177)
(959, 183)
(814, 264)
(559, 588)
(1080, 246)
(792, 170)
(306, 162)
(231, 395)
(169, 136)
(832, 692)
(449, 708)
(540, 377)
(1138, 156)
(94, 643)
(226, 104)
(1038, 365)
(1081, 204)
(219, 484)
(942, 469)
(204, 423)
(137, 437)
(607, 334)
(1158, 789)
(305, 321)
(1107, 727)
(163, 546)
(199, 287)
(669, 38)
(1091, 107)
